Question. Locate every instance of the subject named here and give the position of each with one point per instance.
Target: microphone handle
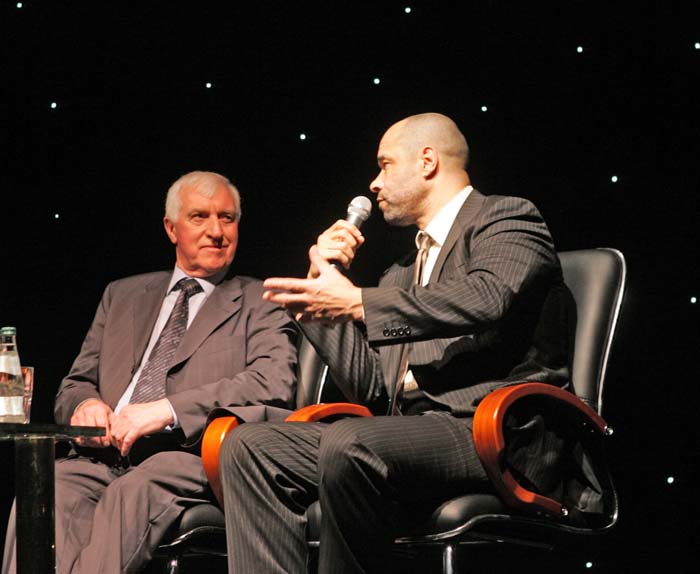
(355, 219)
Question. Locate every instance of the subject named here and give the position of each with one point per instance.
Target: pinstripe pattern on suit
(359, 469)
(493, 313)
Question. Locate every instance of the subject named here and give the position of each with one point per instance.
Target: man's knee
(129, 486)
(241, 444)
(345, 450)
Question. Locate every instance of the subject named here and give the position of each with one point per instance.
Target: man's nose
(376, 184)
(214, 228)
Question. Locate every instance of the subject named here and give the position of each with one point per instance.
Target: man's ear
(170, 230)
(430, 159)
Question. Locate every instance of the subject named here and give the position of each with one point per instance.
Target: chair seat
(203, 525)
(201, 531)
(201, 515)
(443, 521)
(478, 517)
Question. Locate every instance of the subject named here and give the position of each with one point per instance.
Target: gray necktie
(151, 383)
(424, 242)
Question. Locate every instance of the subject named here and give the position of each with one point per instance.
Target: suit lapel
(133, 332)
(224, 301)
(402, 276)
(466, 214)
(145, 313)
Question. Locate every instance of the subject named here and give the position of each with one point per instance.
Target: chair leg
(449, 559)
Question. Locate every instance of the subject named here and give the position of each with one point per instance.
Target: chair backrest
(596, 279)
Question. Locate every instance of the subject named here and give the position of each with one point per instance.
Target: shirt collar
(441, 223)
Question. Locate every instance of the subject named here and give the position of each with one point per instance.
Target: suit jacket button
(407, 331)
(386, 332)
(400, 331)
(393, 333)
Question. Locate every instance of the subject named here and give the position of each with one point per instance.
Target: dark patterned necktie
(151, 383)
(424, 242)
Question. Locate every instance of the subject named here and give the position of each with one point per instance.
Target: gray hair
(206, 183)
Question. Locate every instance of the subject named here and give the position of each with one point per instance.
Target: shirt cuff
(175, 424)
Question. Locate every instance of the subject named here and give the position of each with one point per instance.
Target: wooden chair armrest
(217, 430)
(490, 443)
(312, 413)
(214, 435)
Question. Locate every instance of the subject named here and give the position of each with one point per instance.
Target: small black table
(34, 489)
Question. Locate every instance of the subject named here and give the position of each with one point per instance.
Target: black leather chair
(511, 514)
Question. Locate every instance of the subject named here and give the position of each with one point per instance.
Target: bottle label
(10, 364)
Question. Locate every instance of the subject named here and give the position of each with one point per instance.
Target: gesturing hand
(330, 296)
(137, 420)
(93, 413)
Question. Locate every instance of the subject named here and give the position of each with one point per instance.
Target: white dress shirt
(439, 227)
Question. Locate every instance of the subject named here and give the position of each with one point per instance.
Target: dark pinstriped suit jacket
(495, 312)
(239, 350)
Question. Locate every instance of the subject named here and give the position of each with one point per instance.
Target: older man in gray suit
(479, 305)
(164, 351)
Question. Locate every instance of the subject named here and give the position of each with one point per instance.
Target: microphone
(359, 210)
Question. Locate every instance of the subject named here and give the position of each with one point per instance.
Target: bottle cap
(8, 331)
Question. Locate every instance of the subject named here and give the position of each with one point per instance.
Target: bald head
(422, 166)
(432, 130)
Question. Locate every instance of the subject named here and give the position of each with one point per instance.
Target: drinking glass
(28, 376)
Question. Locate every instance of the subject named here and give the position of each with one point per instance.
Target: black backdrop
(83, 182)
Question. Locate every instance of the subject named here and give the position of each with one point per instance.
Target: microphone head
(359, 210)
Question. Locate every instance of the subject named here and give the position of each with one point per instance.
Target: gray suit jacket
(239, 352)
(495, 312)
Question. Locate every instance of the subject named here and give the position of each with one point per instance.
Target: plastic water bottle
(11, 381)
